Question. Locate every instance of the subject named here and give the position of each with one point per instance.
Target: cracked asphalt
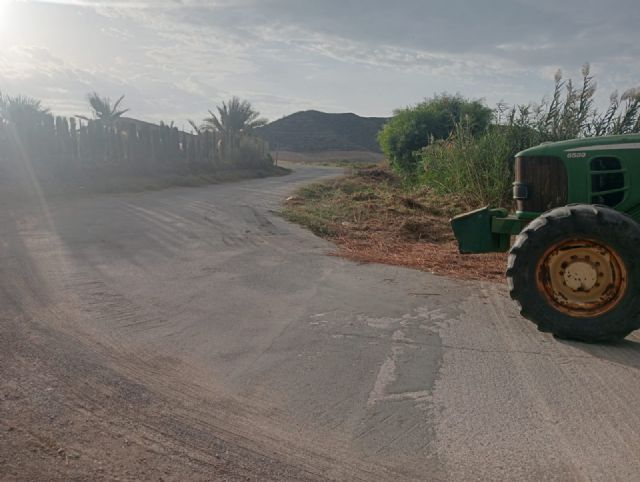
(193, 333)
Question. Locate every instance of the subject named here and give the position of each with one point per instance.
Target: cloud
(500, 35)
(177, 58)
(22, 61)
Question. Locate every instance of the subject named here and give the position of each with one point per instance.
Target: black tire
(528, 280)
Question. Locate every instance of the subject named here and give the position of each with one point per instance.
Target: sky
(175, 59)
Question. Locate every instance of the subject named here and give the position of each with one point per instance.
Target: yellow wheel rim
(582, 278)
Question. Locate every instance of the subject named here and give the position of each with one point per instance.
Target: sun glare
(4, 13)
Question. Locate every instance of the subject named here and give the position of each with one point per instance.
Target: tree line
(106, 143)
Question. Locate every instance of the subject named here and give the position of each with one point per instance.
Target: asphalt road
(193, 333)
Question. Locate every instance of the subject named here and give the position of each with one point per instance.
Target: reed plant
(478, 167)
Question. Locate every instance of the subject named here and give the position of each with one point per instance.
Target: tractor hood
(586, 144)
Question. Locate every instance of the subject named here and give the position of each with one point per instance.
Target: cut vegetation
(373, 216)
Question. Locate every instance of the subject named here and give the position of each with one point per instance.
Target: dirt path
(192, 334)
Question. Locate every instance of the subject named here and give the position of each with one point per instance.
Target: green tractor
(574, 266)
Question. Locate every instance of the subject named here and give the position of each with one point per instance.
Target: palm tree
(234, 117)
(20, 108)
(235, 120)
(102, 108)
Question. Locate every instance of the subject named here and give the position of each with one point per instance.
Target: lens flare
(4, 15)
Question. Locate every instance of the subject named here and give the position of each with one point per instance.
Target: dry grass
(373, 217)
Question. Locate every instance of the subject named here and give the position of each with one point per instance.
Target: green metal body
(490, 230)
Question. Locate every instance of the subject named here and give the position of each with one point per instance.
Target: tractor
(574, 266)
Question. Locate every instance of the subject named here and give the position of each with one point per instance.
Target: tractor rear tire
(575, 271)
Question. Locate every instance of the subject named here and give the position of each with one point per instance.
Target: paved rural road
(192, 333)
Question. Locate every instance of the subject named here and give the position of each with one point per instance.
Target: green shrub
(413, 128)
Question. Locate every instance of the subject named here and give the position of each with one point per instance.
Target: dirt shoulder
(372, 216)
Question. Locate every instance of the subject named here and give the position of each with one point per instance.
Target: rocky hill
(313, 131)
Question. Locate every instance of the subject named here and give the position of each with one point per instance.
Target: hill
(313, 131)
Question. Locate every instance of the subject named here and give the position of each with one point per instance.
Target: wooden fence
(59, 147)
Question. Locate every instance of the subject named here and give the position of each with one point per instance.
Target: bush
(413, 128)
(479, 169)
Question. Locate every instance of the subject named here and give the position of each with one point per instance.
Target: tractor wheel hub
(582, 278)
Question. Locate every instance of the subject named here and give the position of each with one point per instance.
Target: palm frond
(115, 106)
(103, 109)
(20, 108)
(235, 116)
(198, 129)
(119, 113)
